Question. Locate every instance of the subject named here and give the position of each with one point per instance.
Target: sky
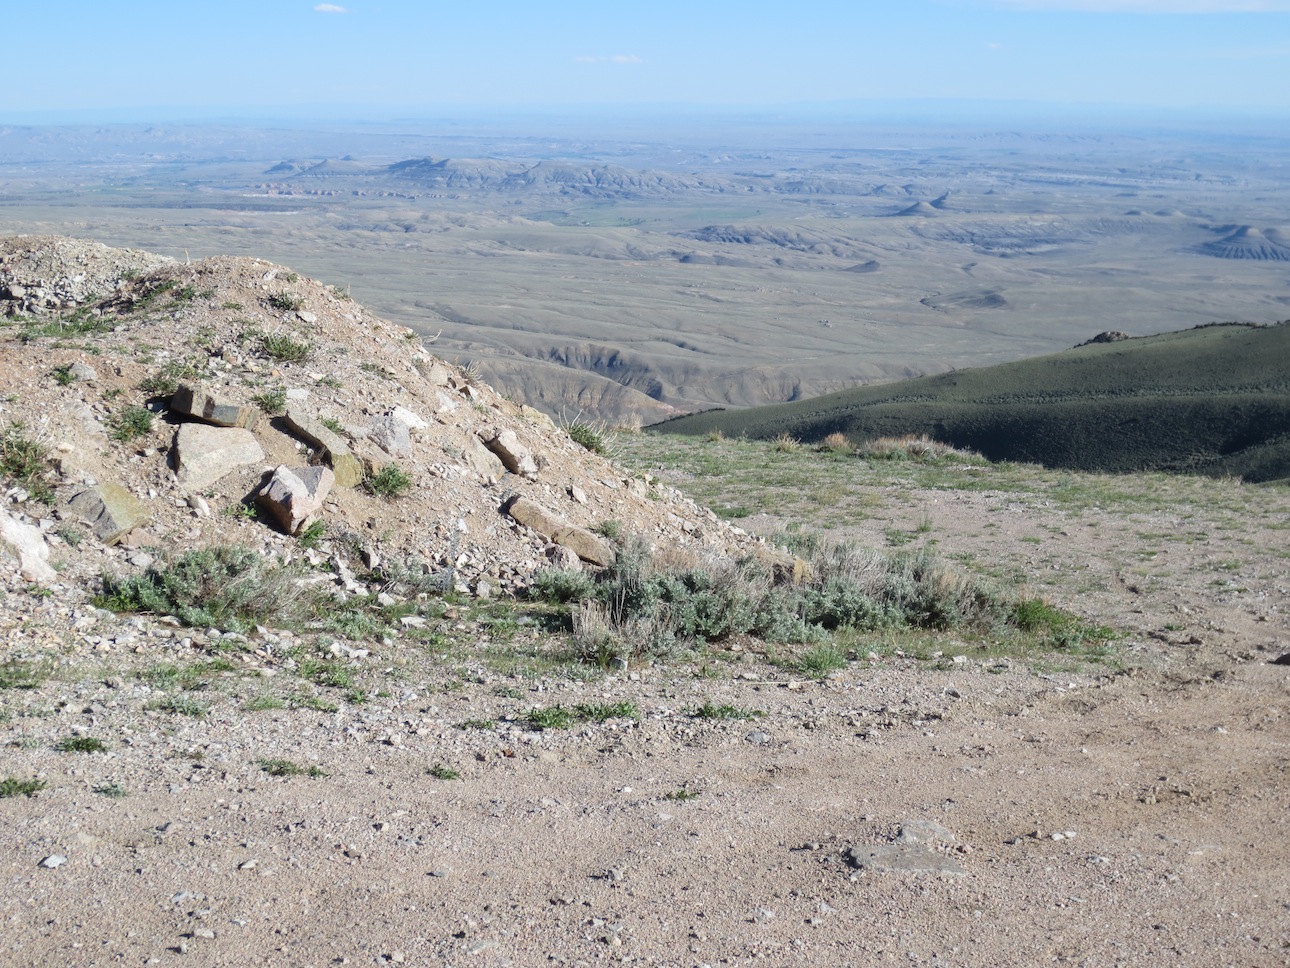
(192, 59)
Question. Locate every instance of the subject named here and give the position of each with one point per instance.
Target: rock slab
(204, 454)
(347, 467)
(28, 545)
(196, 401)
(110, 510)
(587, 546)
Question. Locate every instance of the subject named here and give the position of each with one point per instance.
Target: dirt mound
(93, 383)
(1248, 242)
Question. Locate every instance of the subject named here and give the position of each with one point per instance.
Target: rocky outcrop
(196, 401)
(587, 546)
(516, 458)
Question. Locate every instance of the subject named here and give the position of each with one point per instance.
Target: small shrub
(81, 744)
(482, 724)
(284, 348)
(63, 375)
(11, 786)
(234, 306)
(390, 481)
(132, 422)
(682, 795)
(332, 424)
(552, 717)
(180, 706)
(837, 443)
(610, 529)
(725, 711)
(280, 767)
(113, 791)
(587, 435)
(441, 772)
(312, 536)
(166, 380)
(561, 585)
(786, 444)
(271, 401)
(220, 586)
(819, 662)
(24, 460)
(287, 302)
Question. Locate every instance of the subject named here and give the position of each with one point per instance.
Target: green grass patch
(286, 768)
(11, 786)
(81, 744)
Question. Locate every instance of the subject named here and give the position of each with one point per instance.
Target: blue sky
(185, 59)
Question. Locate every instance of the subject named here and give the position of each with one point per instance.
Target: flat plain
(636, 274)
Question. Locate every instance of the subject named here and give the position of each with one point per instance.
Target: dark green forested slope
(1213, 400)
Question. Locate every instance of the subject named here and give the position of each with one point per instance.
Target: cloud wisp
(329, 8)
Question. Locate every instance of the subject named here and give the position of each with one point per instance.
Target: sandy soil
(1089, 817)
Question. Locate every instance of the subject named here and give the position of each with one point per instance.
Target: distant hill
(1212, 400)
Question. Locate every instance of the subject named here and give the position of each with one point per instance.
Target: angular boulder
(514, 455)
(483, 461)
(349, 469)
(196, 401)
(587, 546)
(391, 434)
(110, 510)
(294, 496)
(204, 454)
(28, 545)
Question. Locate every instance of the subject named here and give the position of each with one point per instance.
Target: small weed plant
(81, 744)
(221, 586)
(25, 461)
(285, 349)
(390, 481)
(287, 302)
(286, 768)
(131, 423)
(11, 786)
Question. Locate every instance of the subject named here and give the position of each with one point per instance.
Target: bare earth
(1132, 813)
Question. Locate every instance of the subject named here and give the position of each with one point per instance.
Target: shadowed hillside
(1212, 400)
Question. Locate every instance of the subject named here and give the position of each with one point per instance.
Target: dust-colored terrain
(930, 802)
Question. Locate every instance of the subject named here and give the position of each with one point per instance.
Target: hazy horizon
(388, 59)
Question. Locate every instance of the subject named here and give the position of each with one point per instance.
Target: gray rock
(414, 423)
(758, 738)
(110, 510)
(514, 455)
(587, 546)
(563, 558)
(902, 857)
(204, 454)
(926, 832)
(294, 496)
(53, 860)
(483, 461)
(83, 372)
(391, 434)
(196, 401)
(28, 545)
